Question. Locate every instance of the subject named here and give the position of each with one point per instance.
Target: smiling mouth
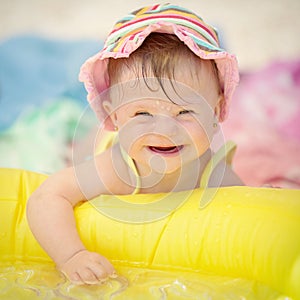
(166, 150)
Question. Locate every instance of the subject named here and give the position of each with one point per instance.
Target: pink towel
(264, 121)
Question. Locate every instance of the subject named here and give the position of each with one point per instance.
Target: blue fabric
(35, 70)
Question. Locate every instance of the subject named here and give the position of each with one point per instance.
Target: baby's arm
(51, 219)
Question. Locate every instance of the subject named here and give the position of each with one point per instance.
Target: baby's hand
(87, 267)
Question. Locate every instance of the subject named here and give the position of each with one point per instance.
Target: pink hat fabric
(130, 32)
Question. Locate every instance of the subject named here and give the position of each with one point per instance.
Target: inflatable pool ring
(246, 240)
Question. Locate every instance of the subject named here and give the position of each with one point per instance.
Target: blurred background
(257, 31)
(43, 44)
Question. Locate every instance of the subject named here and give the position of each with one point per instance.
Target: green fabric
(41, 138)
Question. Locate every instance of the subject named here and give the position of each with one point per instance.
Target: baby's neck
(186, 178)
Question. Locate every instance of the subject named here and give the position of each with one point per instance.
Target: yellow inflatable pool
(244, 245)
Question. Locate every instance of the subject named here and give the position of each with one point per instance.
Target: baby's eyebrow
(146, 103)
(157, 104)
(141, 106)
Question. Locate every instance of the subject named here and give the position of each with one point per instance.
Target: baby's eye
(185, 111)
(142, 113)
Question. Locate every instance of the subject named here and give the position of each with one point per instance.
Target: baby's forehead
(154, 103)
(156, 91)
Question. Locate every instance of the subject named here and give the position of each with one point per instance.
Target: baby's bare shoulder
(224, 175)
(113, 172)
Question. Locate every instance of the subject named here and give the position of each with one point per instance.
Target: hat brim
(94, 75)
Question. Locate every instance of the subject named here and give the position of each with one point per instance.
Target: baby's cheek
(193, 129)
(200, 139)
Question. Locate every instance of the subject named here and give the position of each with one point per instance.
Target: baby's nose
(166, 126)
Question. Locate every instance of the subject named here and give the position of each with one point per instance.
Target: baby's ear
(110, 121)
(107, 106)
(219, 106)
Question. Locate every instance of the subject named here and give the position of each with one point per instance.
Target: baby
(161, 84)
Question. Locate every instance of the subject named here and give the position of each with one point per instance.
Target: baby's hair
(158, 57)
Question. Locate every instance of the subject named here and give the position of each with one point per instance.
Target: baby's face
(164, 128)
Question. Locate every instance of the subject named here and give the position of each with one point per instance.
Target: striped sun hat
(130, 32)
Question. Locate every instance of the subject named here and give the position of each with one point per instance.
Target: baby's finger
(110, 270)
(74, 278)
(88, 276)
(99, 271)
